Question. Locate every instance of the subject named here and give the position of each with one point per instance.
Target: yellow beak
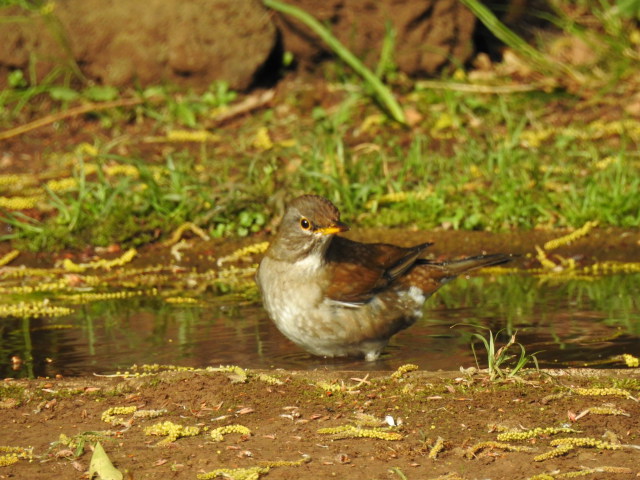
(333, 229)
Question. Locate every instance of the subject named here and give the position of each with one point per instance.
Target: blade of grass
(510, 38)
(386, 64)
(20, 221)
(382, 93)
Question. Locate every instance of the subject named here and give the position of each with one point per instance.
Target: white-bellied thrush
(336, 297)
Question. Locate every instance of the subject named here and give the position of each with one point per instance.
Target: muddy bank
(323, 425)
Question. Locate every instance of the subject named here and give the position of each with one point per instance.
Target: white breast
(293, 298)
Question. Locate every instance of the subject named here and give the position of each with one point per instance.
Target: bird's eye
(305, 224)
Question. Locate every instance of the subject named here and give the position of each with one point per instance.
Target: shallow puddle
(571, 323)
(571, 305)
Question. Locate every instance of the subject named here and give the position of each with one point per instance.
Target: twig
(72, 112)
(250, 103)
(469, 87)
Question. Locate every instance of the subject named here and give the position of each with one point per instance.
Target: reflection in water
(569, 323)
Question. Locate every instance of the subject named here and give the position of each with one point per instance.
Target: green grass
(479, 178)
(100, 210)
(497, 359)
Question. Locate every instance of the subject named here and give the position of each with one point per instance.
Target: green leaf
(63, 94)
(153, 91)
(102, 466)
(99, 93)
(288, 58)
(16, 79)
(185, 115)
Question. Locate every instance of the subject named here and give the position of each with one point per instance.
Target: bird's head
(308, 225)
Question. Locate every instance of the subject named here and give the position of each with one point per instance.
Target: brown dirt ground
(284, 420)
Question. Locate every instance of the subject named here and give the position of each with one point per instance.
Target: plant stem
(381, 91)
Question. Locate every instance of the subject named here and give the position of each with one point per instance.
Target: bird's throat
(310, 263)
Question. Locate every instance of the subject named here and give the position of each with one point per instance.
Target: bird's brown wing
(359, 270)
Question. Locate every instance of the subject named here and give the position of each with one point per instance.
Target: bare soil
(284, 420)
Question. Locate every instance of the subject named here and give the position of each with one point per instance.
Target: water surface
(582, 322)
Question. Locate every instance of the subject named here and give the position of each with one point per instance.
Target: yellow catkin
(535, 432)
(33, 310)
(396, 197)
(62, 185)
(472, 451)
(608, 411)
(8, 459)
(498, 271)
(262, 141)
(125, 170)
(604, 163)
(556, 452)
(198, 136)
(403, 370)
(263, 377)
(109, 415)
(58, 285)
(252, 473)
(149, 413)
(10, 455)
(218, 434)
(585, 442)
(86, 149)
(256, 248)
(571, 237)
(20, 203)
(630, 360)
(125, 258)
(287, 463)
(171, 430)
(617, 392)
(544, 261)
(436, 449)
(608, 469)
(330, 387)
(89, 297)
(237, 279)
(178, 232)
(9, 257)
(182, 300)
(350, 431)
(596, 129)
(17, 180)
(611, 267)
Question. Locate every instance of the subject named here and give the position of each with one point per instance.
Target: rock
(120, 42)
(429, 33)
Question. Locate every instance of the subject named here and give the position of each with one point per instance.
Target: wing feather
(358, 271)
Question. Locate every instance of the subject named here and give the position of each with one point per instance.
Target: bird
(336, 297)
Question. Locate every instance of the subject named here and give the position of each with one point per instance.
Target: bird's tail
(458, 267)
(430, 276)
